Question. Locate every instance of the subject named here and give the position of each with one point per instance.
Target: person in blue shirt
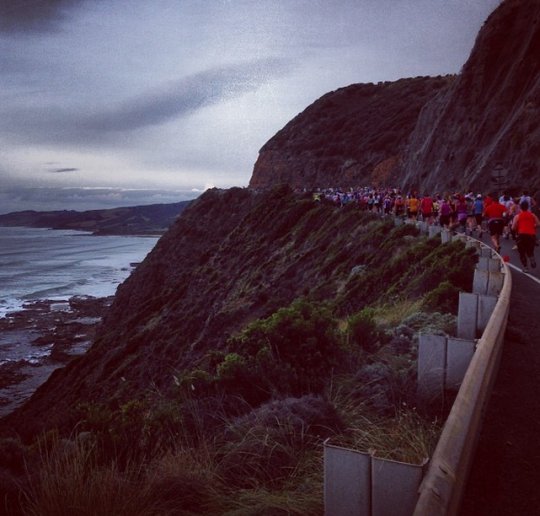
(478, 208)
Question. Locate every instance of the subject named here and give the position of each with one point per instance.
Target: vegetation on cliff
(260, 325)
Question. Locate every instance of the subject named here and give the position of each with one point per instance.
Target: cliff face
(438, 134)
(233, 257)
(490, 116)
(353, 136)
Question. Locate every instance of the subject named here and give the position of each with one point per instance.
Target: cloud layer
(170, 95)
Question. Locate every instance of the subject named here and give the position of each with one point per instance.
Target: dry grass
(72, 480)
(390, 315)
(405, 436)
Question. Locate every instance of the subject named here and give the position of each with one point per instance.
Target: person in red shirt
(426, 207)
(524, 225)
(496, 214)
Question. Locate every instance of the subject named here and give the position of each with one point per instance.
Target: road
(507, 250)
(505, 475)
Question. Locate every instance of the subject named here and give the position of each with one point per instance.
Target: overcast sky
(108, 103)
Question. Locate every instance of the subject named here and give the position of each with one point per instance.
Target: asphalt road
(507, 250)
(505, 477)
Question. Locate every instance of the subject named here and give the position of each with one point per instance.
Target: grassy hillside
(233, 351)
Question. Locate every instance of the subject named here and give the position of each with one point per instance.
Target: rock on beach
(42, 337)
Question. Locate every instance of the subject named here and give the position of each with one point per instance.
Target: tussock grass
(278, 477)
(390, 315)
(404, 436)
(70, 482)
(267, 462)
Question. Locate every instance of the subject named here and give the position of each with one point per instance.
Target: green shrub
(231, 367)
(444, 298)
(290, 352)
(362, 330)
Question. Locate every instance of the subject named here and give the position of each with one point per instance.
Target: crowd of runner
(468, 213)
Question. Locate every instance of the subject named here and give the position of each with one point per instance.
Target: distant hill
(153, 219)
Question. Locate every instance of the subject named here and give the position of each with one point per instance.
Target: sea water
(39, 264)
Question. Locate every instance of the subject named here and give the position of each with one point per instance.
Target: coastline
(41, 338)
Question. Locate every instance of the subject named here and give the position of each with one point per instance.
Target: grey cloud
(183, 97)
(33, 15)
(63, 170)
(176, 100)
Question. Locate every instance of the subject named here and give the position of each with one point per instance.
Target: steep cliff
(479, 130)
(490, 117)
(352, 136)
(231, 258)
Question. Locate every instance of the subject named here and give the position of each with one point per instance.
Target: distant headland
(150, 220)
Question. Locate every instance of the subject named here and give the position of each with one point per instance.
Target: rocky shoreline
(42, 337)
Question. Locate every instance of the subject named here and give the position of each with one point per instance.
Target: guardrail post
(446, 236)
(360, 484)
(442, 364)
(459, 354)
(395, 487)
(489, 264)
(434, 231)
(347, 482)
(486, 305)
(487, 283)
(467, 316)
(423, 227)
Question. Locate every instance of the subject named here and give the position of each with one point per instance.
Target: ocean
(38, 264)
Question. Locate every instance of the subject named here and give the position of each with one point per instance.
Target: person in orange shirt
(412, 206)
(524, 225)
(496, 214)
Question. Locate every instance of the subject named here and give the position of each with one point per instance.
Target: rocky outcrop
(479, 130)
(488, 124)
(354, 135)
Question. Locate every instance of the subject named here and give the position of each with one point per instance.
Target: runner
(462, 211)
(426, 208)
(478, 211)
(471, 221)
(445, 217)
(507, 201)
(496, 214)
(399, 206)
(525, 224)
(412, 206)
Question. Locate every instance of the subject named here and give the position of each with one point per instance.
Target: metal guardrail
(353, 484)
(442, 488)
